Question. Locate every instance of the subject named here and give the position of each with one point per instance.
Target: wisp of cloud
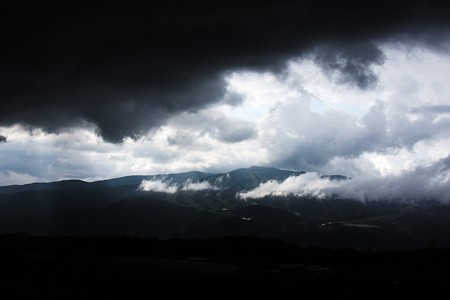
(158, 186)
(198, 186)
(167, 186)
(308, 184)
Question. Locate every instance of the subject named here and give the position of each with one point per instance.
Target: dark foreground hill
(99, 268)
(198, 205)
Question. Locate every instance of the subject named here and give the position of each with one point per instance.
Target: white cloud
(308, 184)
(167, 186)
(158, 185)
(198, 186)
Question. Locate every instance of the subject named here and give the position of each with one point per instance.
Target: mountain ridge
(189, 174)
(205, 205)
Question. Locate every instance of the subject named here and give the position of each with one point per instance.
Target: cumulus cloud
(300, 137)
(2, 139)
(424, 182)
(127, 68)
(324, 121)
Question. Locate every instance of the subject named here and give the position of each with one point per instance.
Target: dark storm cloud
(236, 133)
(233, 99)
(351, 62)
(128, 67)
(2, 139)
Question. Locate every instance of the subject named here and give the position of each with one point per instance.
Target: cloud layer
(430, 183)
(127, 68)
(305, 117)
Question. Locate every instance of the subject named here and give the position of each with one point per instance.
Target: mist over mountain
(205, 205)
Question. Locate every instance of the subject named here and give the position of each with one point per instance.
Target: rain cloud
(350, 64)
(125, 69)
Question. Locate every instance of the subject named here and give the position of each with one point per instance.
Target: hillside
(203, 205)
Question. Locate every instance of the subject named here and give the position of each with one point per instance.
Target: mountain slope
(137, 216)
(199, 205)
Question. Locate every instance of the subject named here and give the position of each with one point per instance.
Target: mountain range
(204, 205)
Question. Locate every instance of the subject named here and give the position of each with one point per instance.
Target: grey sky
(126, 89)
